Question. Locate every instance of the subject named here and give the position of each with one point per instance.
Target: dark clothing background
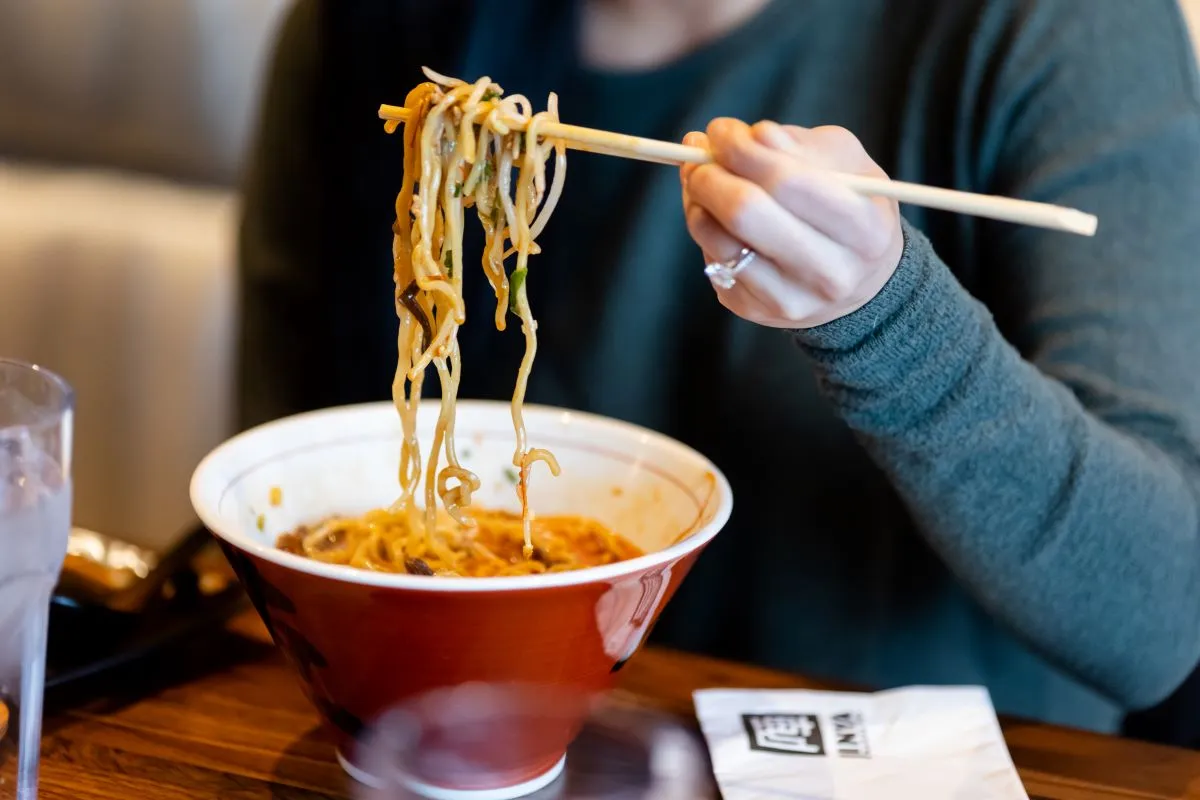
(987, 475)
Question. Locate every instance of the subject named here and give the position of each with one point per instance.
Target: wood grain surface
(225, 718)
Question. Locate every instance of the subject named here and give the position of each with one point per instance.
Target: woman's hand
(823, 250)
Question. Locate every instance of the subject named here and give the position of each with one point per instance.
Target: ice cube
(27, 475)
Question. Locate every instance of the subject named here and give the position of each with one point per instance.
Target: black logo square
(792, 734)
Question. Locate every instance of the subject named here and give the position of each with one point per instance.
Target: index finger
(797, 178)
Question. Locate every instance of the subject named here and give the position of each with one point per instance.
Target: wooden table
(231, 723)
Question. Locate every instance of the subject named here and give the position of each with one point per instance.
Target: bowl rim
(438, 583)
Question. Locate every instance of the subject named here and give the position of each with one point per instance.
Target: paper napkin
(919, 743)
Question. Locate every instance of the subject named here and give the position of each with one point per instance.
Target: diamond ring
(723, 274)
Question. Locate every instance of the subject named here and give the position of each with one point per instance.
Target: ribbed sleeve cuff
(919, 326)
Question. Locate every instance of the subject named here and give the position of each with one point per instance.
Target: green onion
(448, 262)
(490, 94)
(497, 209)
(511, 475)
(487, 170)
(515, 284)
(458, 189)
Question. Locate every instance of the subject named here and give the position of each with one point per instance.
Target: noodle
(461, 150)
(384, 541)
(448, 168)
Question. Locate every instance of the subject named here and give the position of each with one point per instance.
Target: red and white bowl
(536, 650)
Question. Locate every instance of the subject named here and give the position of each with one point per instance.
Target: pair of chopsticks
(1005, 209)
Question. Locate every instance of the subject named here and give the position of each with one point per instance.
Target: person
(962, 451)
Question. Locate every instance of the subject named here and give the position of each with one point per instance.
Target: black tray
(88, 638)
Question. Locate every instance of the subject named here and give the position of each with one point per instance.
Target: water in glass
(35, 522)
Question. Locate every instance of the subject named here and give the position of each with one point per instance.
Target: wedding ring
(723, 274)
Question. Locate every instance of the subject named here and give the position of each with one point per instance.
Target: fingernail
(721, 126)
(773, 135)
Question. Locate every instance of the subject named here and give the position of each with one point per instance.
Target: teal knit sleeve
(1052, 456)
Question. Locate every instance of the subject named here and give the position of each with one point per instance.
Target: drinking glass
(36, 416)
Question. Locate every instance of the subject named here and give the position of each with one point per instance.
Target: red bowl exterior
(363, 651)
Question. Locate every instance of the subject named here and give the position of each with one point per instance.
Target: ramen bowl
(470, 687)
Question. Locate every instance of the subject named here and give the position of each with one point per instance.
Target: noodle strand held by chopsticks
(460, 150)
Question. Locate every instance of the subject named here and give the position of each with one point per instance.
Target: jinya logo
(800, 734)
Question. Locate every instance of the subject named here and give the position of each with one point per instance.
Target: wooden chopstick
(1005, 209)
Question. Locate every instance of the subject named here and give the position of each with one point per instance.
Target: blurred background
(122, 129)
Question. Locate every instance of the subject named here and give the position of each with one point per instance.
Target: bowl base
(442, 793)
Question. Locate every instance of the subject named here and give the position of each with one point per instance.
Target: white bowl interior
(645, 486)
